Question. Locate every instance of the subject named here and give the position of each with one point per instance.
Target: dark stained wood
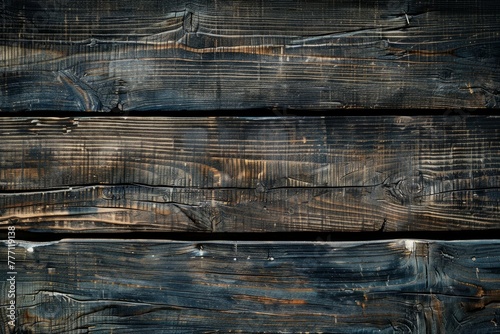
(224, 54)
(356, 174)
(394, 286)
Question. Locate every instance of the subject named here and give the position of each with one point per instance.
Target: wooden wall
(126, 219)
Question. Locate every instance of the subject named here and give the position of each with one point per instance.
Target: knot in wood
(50, 305)
(113, 193)
(190, 22)
(411, 186)
(261, 188)
(406, 189)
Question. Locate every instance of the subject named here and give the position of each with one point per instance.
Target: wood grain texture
(212, 55)
(343, 174)
(395, 286)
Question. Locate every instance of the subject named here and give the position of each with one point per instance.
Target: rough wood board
(400, 286)
(250, 175)
(222, 54)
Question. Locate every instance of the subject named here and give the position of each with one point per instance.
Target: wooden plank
(96, 286)
(205, 55)
(345, 174)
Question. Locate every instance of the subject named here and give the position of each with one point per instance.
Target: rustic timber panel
(221, 54)
(394, 286)
(344, 174)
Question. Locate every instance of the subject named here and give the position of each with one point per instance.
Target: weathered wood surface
(138, 286)
(344, 174)
(222, 54)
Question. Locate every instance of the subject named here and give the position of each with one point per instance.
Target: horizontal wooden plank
(97, 286)
(206, 55)
(345, 174)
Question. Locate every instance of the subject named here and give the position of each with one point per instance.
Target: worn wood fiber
(138, 286)
(343, 174)
(205, 55)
